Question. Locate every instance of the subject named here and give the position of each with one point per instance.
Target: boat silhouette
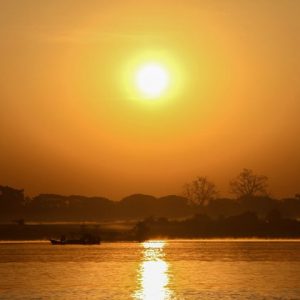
(84, 240)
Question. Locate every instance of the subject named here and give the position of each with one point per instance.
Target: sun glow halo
(152, 80)
(154, 77)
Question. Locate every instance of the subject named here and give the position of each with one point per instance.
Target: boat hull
(74, 242)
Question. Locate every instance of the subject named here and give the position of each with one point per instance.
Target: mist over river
(177, 269)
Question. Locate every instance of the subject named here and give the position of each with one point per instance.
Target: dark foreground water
(152, 270)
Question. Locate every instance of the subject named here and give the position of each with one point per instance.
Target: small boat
(85, 240)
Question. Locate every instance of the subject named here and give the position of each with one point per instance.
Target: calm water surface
(152, 270)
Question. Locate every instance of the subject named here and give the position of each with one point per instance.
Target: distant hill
(140, 206)
(52, 207)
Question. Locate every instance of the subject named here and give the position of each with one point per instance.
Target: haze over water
(189, 269)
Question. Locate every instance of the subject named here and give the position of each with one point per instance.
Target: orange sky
(69, 124)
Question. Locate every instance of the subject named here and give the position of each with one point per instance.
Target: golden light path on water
(153, 278)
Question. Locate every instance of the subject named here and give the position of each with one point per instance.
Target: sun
(152, 80)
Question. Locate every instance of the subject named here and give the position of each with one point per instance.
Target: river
(178, 269)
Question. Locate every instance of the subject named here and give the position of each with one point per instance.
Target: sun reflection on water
(153, 277)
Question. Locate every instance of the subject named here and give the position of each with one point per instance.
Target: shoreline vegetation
(199, 226)
(199, 213)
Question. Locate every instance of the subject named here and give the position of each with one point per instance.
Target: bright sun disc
(152, 80)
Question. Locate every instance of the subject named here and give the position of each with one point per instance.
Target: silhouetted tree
(248, 184)
(223, 206)
(200, 191)
(141, 231)
(11, 202)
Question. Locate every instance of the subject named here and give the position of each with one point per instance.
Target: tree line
(246, 224)
(199, 196)
(246, 185)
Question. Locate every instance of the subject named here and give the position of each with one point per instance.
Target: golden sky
(71, 124)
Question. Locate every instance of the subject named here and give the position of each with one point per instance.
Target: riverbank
(46, 231)
(111, 233)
